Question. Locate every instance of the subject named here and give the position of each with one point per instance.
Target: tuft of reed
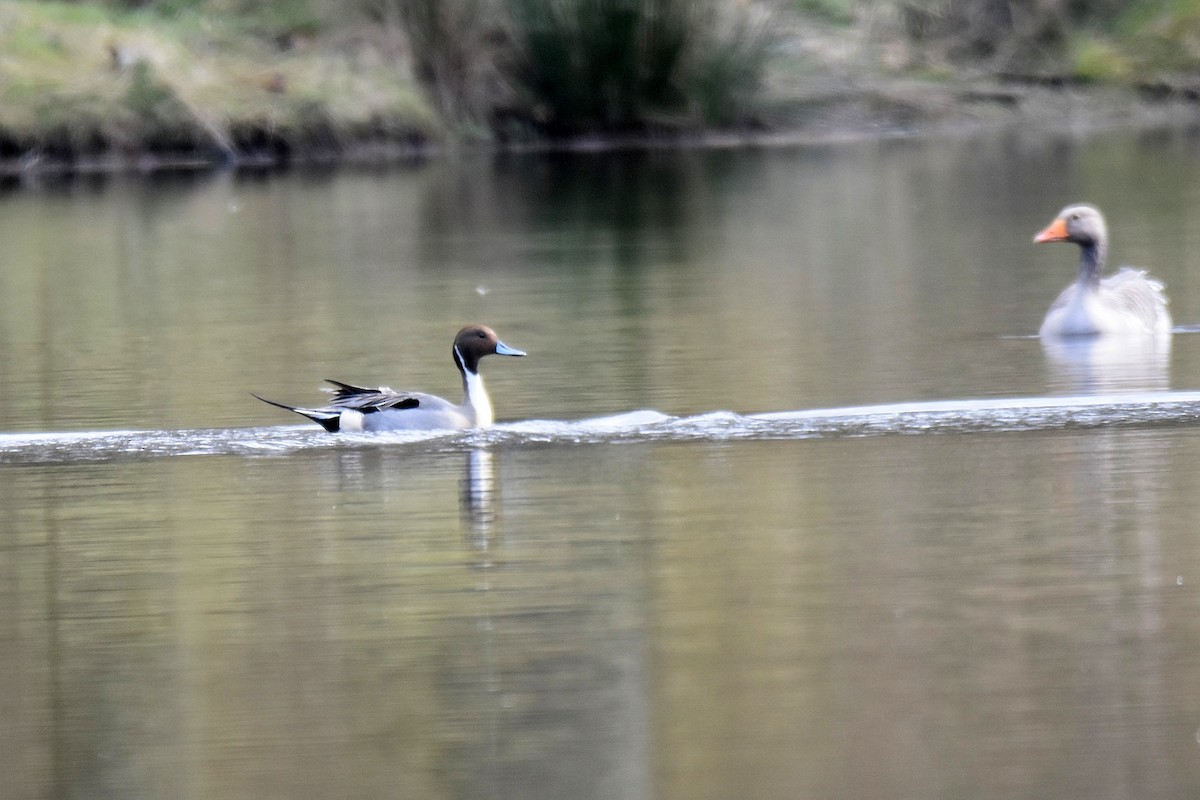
(638, 65)
(564, 67)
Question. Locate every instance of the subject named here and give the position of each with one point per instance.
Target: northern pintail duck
(355, 408)
(1128, 302)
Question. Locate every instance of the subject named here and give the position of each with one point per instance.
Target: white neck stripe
(478, 401)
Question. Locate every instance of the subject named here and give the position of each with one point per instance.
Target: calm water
(680, 567)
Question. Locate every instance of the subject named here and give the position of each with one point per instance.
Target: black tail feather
(330, 420)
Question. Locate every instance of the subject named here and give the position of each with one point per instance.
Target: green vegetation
(836, 11)
(1107, 40)
(564, 67)
(1096, 59)
(229, 78)
(221, 79)
(632, 65)
(84, 81)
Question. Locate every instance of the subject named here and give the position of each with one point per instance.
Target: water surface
(786, 501)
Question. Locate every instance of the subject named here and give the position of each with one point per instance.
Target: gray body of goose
(358, 408)
(1127, 302)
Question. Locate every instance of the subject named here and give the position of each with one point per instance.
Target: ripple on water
(950, 416)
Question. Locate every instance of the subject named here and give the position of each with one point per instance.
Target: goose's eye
(1074, 218)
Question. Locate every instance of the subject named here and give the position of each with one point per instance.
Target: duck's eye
(1074, 218)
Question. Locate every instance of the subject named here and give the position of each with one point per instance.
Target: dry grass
(80, 81)
(1108, 41)
(287, 78)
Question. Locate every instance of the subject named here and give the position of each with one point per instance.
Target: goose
(1127, 302)
(358, 408)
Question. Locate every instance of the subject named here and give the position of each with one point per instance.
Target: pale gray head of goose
(1080, 224)
(476, 341)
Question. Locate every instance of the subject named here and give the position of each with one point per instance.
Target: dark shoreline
(882, 110)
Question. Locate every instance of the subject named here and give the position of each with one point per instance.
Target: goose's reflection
(1103, 364)
(478, 496)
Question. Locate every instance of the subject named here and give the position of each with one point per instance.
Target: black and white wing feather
(368, 400)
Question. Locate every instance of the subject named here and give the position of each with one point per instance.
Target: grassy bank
(86, 84)
(147, 82)
(1110, 41)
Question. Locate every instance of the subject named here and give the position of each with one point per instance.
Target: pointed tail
(328, 418)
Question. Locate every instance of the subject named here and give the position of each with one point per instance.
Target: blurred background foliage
(1086, 39)
(587, 66)
(287, 74)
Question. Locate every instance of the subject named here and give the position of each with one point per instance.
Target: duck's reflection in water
(478, 497)
(1104, 364)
